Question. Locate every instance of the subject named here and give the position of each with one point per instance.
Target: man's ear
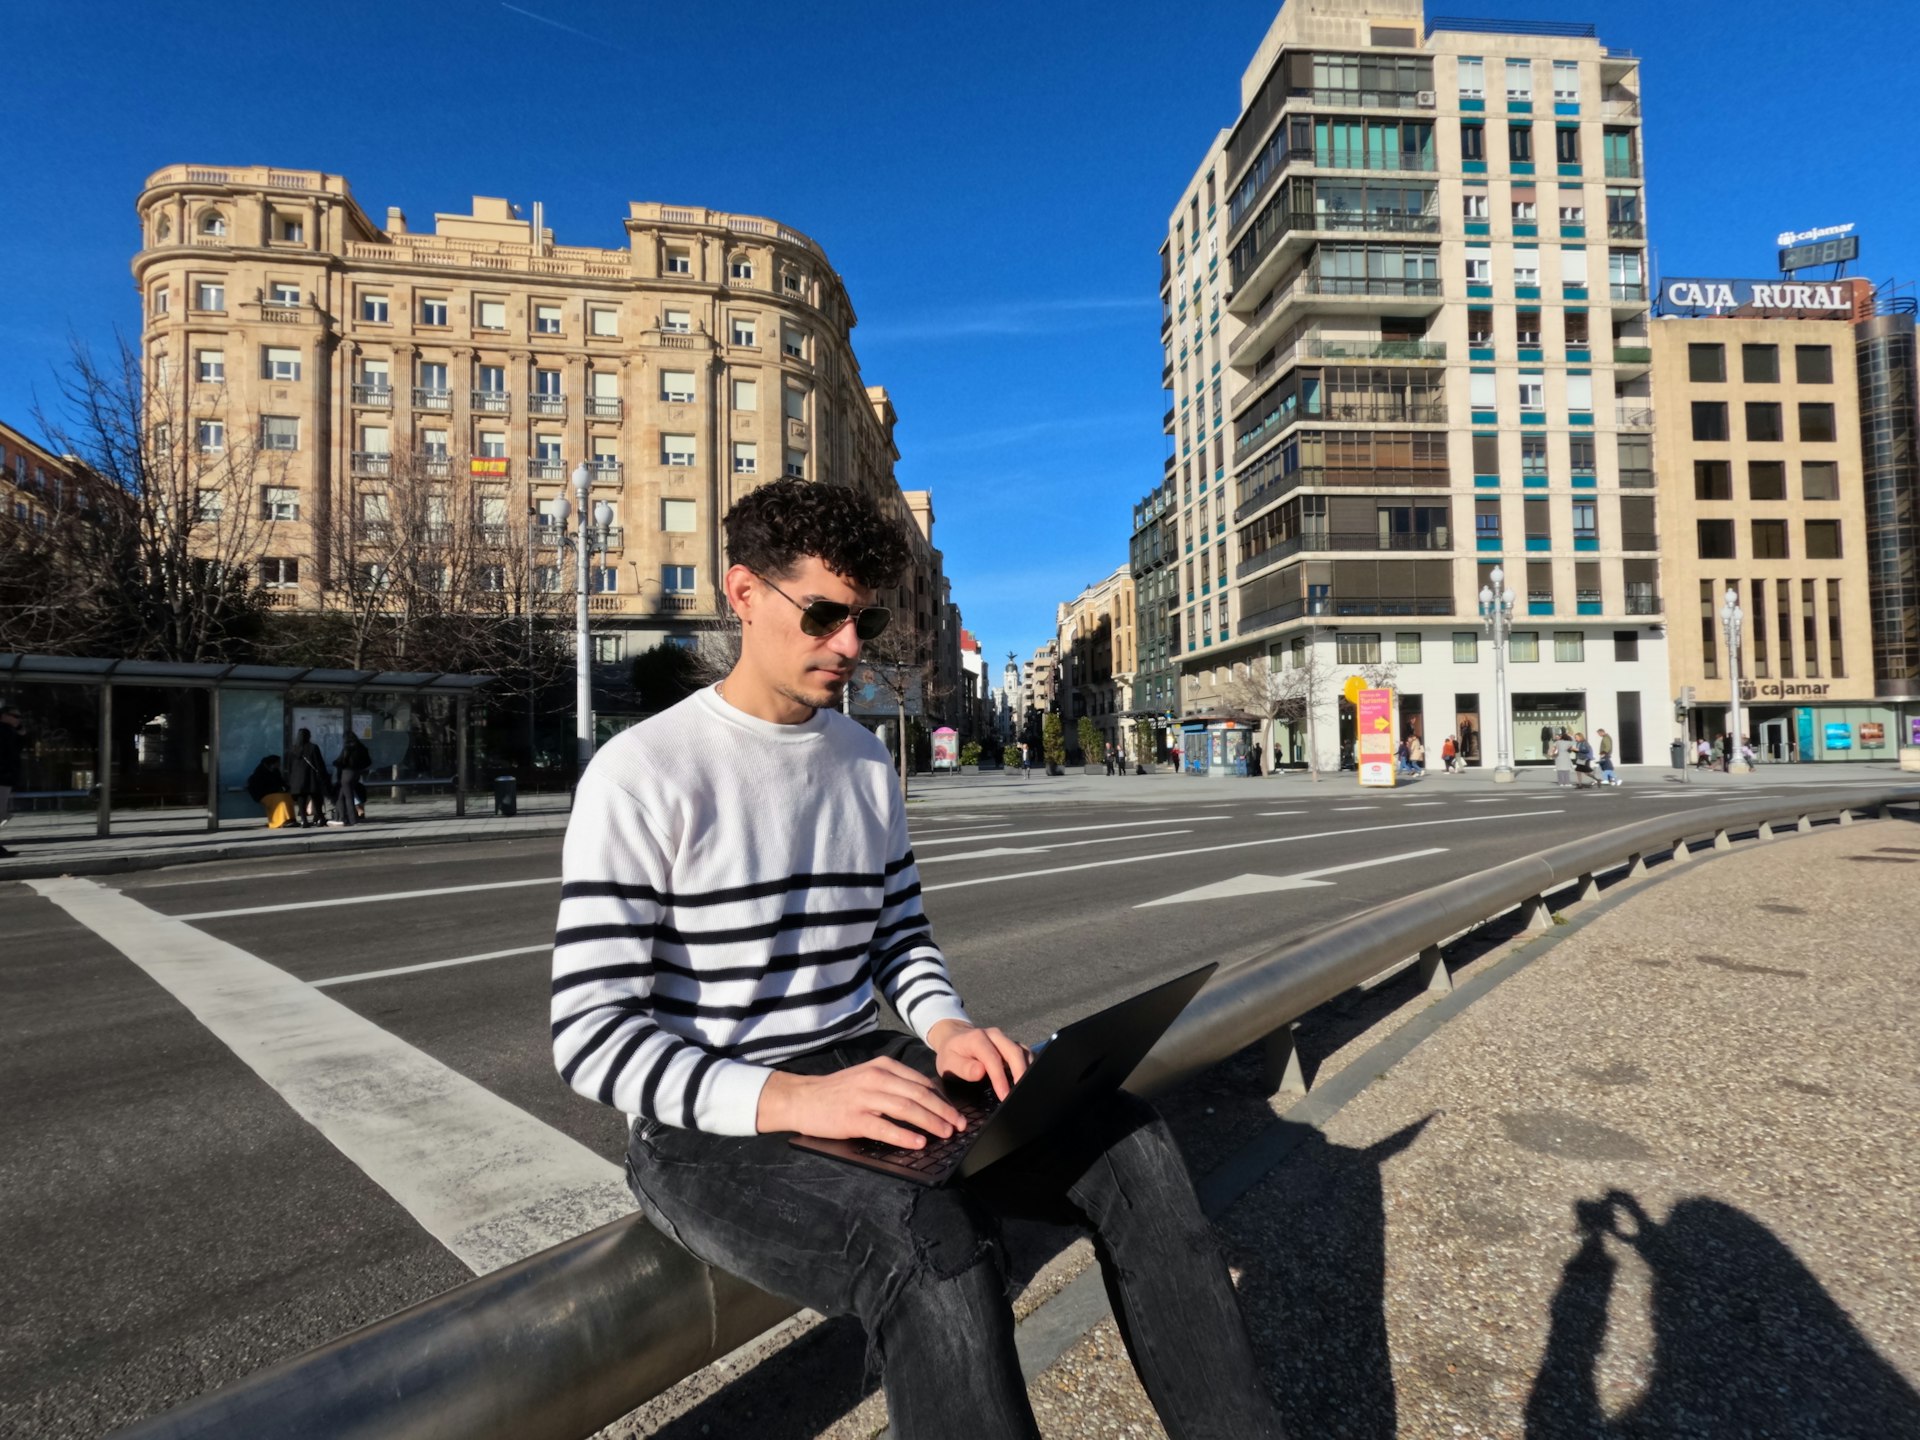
(739, 586)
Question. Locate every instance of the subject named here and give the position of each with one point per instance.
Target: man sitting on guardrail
(738, 895)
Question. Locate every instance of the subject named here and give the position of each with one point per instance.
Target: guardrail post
(1722, 840)
(1680, 850)
(1433, 970)
(1534, 914)
(1805, 824)
(1636, 866)
(1586, 889)
(1284, 1075)
(1766, 830)
(1846, 816)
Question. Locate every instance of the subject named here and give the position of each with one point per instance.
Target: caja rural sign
(1721, 297)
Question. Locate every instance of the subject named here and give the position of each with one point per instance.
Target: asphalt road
(198, 1176)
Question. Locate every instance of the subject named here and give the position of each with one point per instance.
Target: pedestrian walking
(1702, 754)
(1417, 754)
(1563, 760)
(1607, 775)
(1109, 758)
(352, 762)
(1716, 753)
(306, 771)
(1254, 759)
(1449, 752)
(1026, 765)
(1400, 761)
(720, 1051)
(11, 749)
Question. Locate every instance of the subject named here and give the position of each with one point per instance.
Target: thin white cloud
(1010, 317)
(560, 25)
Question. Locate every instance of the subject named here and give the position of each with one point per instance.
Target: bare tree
(900, 664)
(156, 552)
(1296, 691)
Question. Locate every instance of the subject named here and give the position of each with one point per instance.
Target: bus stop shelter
(227, 717)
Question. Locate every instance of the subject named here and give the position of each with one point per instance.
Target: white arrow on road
(1263, 884)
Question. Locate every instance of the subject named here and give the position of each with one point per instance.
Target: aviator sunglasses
(821, 618)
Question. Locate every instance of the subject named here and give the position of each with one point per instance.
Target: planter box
(1910, 757)
(969, 769)
(1093, 769)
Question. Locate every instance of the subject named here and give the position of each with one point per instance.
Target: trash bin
(506, 795)
(1679, 754)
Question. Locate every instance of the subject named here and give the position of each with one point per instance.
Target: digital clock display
(1821, 252)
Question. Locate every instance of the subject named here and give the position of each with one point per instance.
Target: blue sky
(992, 181)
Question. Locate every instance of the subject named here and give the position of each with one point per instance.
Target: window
(1766, 479)
(433, 310)
(1473, 204)
(1626, 646)
(676, 516)
(1479, 268)
(1479, 327)
(1710, 418)
(676, 579)
(433, 444)
(605, 320)
(1472, 72)
(1406, 647)
(1356, 648)
(1573, 267)
(493, 445)
(546, 388)
(1763, 420)
(1533, 455)
(1706, 364)
(1473, 142)
(280, 363)
(279, 573)
(679, 262)
(211, 435)
(1823, 539)
(1526, 206)
(1569, 647)
(1482, 390)
(490, 315)
(208, 505)
(1519, 79)
(1575, 321)
(546, 319)
(1466, 648)
(1813, 364)
(373, 309)
(1573, 212)
(746, 457)
(161, 300)
(676, 385)
(1486, 519)
(743, 331)
(606, 458)
(288, 228)
(796, 465)
(213, 223)
(493, 379)
(1566, 145)
(279, 432)
(795, 403)
(1715, 539)
(210, 295)
(1580, 454)
(1566, 82)
(547, 448)
(746, 395)
(1520, 144)
(210, 366)
(1580, 392)
(676, 450)
(1819, 480)
(1816, 422)
(1769, 539)
(1760, 364)
(609, 649)
(375, 441)
(740, 267)
(433, 377)
(674, 322)
(605, 579)
(1526, 266)
(279, 502)
(1523, 647)
(1533, 390)
(793, 343)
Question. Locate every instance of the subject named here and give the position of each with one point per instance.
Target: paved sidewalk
(1658, 1183)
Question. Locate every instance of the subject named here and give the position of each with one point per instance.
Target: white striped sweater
(734, 892)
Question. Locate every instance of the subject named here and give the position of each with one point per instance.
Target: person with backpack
(306, 771)
(1607, 777)
(352, 762)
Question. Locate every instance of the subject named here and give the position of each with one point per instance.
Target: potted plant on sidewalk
(1053, 743)
(1093, 748)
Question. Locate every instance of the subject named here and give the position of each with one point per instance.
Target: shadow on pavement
(1746, 1342)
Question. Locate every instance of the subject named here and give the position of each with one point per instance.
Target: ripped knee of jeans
(952, 1233)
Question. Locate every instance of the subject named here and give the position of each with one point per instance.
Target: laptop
(1081, 1064)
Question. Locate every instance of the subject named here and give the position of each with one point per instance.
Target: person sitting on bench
(738, 895)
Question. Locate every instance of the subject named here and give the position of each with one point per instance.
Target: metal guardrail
(569, 1340)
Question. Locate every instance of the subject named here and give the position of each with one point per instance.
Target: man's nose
(845, 641)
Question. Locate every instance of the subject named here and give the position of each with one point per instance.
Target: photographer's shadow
(1746, 1342)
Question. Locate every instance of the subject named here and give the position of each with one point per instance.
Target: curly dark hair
(775, 527)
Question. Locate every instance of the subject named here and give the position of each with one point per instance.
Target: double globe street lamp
(1732, 618)
(1496, 610)
(585, 540)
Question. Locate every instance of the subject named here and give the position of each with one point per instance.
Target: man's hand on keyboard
(863, 1102)
(978, 1052)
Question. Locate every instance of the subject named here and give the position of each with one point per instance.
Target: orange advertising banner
(1373, 748)
(486, 467)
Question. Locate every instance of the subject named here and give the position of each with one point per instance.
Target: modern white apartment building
(1428, 243)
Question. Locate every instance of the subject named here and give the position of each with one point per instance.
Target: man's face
(808, 670)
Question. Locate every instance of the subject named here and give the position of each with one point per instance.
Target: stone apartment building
(708, 354)
(1096, 640)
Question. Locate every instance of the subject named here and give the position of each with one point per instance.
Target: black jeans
(925, 1272)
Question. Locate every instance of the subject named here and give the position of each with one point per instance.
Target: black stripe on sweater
(765, 1005)
(694, 1081)
(672, 935)
(757, 890)
(802, 1041)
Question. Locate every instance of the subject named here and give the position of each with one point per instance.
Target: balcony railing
(603, 408)
(1640, 542)
(1636, 479)
(1319, 542)
(1632, 355)
(372, 462)
(1628, 292)
(1626, 230)
(1368, 410)
(547, 470)
(436, 467)
(606, 472)
(1633, 417)
(1354, 222)
(1319, 347)
(1347, 605)
(679, 604)
(538, 404)
(494, 401)
(1619, 169)
(1422, 99)
(1620, 109)
(1273, 486)
(377, 395)
(426, 399)
(1642, 603)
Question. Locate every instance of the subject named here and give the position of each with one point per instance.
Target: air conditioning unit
(1425, 98)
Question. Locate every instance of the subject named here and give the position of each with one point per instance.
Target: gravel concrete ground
(1659, 1183)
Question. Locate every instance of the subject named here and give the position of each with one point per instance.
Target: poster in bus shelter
(1374, 739)
(946, 749)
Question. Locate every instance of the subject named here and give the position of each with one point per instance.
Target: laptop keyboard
(939, 1155)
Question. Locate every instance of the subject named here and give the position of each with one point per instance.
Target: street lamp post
(1732, 618)
(1496, 610)
(583, 542)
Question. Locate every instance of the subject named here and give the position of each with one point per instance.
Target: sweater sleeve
(614, 879)
(907, 966)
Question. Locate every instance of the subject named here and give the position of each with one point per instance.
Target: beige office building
(1095, 634)
(709, 354)
(1761, 492)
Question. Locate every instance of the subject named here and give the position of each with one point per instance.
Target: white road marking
(1266, 884)
(1044, 849)
(1489, 800)
(367, 899)
(1416, 804)
(1338, 808)
(1234, 845)
(430, 965)
(483, 1177)
(222, 879)
(1266, 814)
(1077, 829)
